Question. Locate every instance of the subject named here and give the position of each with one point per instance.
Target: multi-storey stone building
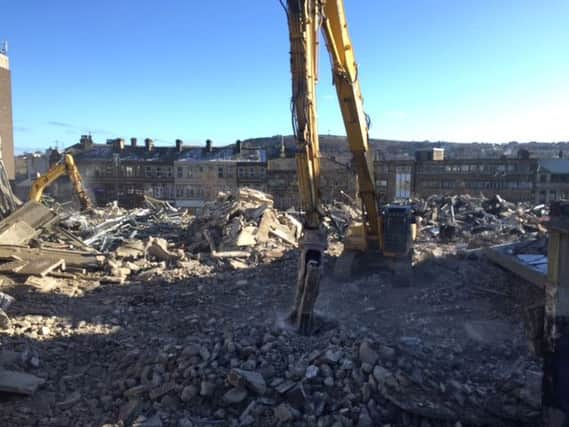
(116, 171)
(189, 176)
(282, 183)
(552, 180)
(201, 172)
(515, 179)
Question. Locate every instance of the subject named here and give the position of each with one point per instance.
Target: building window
(179, 172)
(129, 170)
(147, 171)
(159, 172)
(220, 172)
(188, 172)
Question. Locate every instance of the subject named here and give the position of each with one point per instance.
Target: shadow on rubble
(72, 340)
(442, 314)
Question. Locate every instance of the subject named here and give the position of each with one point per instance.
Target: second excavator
(386, 231)
(66, 167)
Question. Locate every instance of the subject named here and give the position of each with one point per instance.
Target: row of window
(199, 192)
(181, 172)
(221, 171)
(479, 185)
(474, 168)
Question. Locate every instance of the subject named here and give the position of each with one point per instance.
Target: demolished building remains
(204, 283)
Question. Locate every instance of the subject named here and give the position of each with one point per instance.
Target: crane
(388, 231)
(67, 166)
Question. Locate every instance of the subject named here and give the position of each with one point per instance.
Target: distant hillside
(334, 145)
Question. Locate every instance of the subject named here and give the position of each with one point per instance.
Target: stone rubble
(478, 221)
(181, 324)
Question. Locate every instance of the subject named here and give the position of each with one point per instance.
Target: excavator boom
(67, 167)
(306, 18)
(304, 23)
(346, 81)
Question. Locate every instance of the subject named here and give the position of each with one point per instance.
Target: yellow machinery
(68, 167)
(388, 230)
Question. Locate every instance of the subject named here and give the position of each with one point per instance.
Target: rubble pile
(339, 216)
(251, 376)
(477, 220)
(157, 242)
(154, 317)
(243, 229)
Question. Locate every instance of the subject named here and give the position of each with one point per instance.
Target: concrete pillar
(556, 338)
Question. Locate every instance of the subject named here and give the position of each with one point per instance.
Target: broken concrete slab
(42, 266)
(17, 233)
(247, 237)
(231, 254)
(507, 256)
(268, 219)
(157, 247)
(19, 382)
(131, 249)
(283, 233)
(13, 266)
(6, 300)
(72, 258)
(43, 284)
(251, 380)
(34, 214)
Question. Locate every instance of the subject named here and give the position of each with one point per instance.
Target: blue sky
(483, 70)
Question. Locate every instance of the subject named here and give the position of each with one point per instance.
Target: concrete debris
(477, 220)
(19, 382)
(247, 219)
(251, 380)
(158, 248)
(42, 284)
(527, 259)
(160, 317)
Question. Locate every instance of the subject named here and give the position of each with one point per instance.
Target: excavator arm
(67, 167)
(345, 75)
(306, 18)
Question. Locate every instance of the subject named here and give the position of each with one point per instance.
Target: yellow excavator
(66, 166)
(386, 232)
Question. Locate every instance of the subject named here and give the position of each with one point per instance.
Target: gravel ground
(213, 349)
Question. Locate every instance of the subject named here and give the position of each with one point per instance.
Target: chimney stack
(119, 144)
(208, 145)
(149, 144)
(133, 142)
(238, 146)
(86, 142)
(179, 145)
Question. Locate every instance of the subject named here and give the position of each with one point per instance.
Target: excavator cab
(399, 230)
(392, 251)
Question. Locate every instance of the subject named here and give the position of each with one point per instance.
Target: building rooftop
(560, 166)
(148, 152)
